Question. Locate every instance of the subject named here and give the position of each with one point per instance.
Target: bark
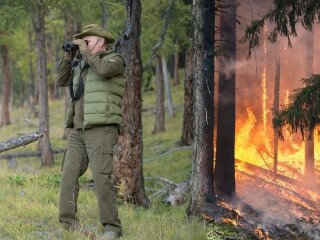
(176, 79)
(39, 27)
(32, 107)
(187, 128)
(104, 12)
(203, 199)
(21, 141)
(309, 142)
(159, 120)
(129, 150)
(50, 59)
(5, 117)
(225, 165)
(167, 86)
(276, 111)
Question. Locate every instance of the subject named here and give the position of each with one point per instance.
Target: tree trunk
(187, 128)
(39, 27)
(50, 59)
(159, 123)
(309, 142)
(5, 118)
(225, 165)
(176, 79)
(129, 150)
(167, 86)
(104, 12)
(203, 199)
(32, 104)
(276, 111)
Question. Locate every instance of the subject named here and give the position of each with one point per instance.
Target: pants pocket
(106, 164)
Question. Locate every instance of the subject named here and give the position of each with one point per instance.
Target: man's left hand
(81, 43)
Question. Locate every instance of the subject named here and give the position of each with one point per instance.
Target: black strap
(80, 89)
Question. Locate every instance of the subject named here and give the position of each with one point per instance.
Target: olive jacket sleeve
(106, 67)
(64, 72)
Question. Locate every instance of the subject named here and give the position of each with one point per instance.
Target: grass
(29, 193)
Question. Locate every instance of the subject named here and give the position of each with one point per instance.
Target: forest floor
(29, 193)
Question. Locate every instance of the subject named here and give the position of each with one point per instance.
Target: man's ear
(102, 42)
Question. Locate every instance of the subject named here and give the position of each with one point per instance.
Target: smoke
(278, 210)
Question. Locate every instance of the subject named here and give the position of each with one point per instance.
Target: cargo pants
(93, 147)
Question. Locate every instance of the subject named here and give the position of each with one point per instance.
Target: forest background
(166, 42)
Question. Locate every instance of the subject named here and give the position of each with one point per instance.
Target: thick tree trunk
(203, 199)
(176, 79)
(276, 103)
(5, 118)
(167, 86)
(309, 142)
(225, 165)
(129, 150)
(159, 120)
(187, 128)
(39, 27)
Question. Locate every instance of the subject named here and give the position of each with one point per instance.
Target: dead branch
(28, 154)
(162, 179)
(177, 196)
(262, 180)
(296, 182)
(166, 153)
(263, 159)
(21, 141)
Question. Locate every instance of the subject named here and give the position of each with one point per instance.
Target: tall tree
(39, 28)
(176, 79)
(159, 125)
(276, 102)
(129, 151)
(187, 127)
(309, 142)
(203, 198)
(167, 87)
(9, 19)
(104, 13)
(225, 162)
(32, 107)
(5, 117)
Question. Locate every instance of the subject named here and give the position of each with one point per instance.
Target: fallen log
(262, 180)
(28, 154)
(21, 141)
(255, 168)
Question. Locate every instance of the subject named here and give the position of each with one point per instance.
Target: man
(96, 81)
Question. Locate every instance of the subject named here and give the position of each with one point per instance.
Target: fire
(253, 146)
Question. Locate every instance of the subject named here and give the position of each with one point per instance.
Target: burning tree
(304, 110)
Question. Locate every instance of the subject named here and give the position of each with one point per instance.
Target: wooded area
(249, 71)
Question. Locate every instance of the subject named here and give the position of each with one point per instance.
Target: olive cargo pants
(93, 146)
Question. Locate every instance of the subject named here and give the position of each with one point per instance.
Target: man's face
(94, 43)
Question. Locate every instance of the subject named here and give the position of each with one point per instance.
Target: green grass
(29, 193)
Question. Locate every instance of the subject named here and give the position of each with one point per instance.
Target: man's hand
(81, 43)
